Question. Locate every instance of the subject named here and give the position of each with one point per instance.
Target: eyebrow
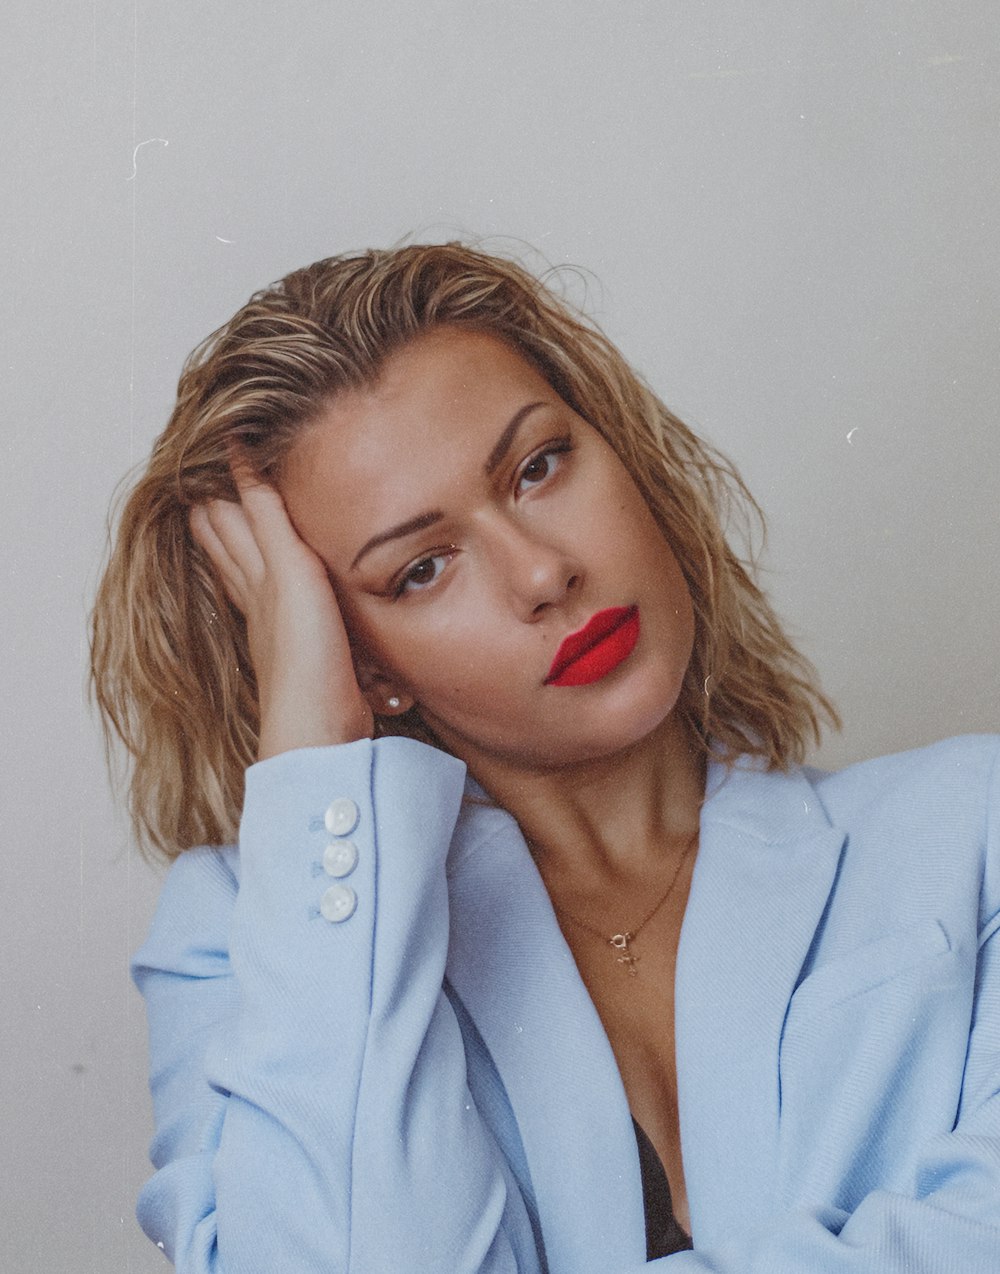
(506, 439)
(397, 532)
(424, 520)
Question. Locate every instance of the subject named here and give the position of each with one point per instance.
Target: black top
(663, 1232)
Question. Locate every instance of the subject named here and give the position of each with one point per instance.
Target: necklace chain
(622, 942)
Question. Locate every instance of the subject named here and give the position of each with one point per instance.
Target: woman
(421, 555)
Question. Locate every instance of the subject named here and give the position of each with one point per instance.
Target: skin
(521, 524)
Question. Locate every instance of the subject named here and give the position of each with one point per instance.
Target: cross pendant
(620, 942)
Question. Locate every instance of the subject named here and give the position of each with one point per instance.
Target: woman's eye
(542, 465)
(421, 573)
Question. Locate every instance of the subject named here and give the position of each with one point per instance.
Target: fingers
(253, 540)
(296, 635)
(223, 531)
(265, 514)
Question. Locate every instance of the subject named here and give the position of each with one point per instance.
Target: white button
(340, 858)
(342, 817)
(338, 903)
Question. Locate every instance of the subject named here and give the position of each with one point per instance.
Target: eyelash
(557, 447)
(400, 586)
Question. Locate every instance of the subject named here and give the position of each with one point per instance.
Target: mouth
(605, 641)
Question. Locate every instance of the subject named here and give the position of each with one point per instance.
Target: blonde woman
(506, 931)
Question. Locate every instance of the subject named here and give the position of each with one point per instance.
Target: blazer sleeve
(307, 1072)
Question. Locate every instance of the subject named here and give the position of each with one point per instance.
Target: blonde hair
(170, 666)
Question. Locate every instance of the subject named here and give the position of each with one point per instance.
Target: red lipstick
(605, 641)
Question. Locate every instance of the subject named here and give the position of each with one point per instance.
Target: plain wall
(788, 216)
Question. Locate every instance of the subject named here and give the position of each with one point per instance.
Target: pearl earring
(393, 701)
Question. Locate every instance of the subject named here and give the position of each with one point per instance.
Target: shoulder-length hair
(170, 665)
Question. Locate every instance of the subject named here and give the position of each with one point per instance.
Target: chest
(632, 987)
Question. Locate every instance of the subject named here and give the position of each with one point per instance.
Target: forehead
(409, 443)
(449, 376)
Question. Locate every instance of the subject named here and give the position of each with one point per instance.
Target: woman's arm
(308, 1074)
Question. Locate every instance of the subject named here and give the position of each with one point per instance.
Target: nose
(538, 570)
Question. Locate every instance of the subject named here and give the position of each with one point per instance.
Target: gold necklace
(622, 942)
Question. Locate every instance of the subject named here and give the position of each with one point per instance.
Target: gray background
(788, 213)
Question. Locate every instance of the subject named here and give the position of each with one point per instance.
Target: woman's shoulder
(955, 776)
(922, 828)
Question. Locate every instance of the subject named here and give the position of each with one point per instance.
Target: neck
(608, 817)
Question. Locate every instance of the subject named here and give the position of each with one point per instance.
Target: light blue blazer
(396, 1067)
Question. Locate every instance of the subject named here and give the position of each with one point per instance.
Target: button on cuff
(338, 903)
(341, 817)
(340, 858)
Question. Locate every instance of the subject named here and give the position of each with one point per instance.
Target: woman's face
(470, 522)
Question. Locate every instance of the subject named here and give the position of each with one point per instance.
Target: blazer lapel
(515, 975)
(766, 864)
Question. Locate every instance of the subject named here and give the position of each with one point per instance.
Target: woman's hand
(307, 686)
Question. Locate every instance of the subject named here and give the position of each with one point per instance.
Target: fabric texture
(425, 1086)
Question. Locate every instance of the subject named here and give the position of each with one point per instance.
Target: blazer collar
(513, 971)
(766, 863)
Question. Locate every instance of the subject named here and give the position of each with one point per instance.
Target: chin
(582, 724)
(617, 732)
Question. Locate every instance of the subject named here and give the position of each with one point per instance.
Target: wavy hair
(171, 671)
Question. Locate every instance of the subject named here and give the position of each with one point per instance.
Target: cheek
(437, 661)
(623, 505)
(464, 677)
(450, 681)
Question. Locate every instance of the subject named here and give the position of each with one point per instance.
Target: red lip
(594, 650)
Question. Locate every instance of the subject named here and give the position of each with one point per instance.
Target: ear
(382, 694)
